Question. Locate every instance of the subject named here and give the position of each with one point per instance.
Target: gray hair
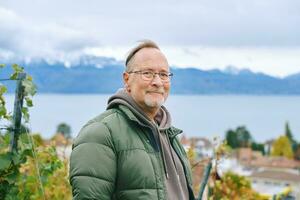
(142, 44)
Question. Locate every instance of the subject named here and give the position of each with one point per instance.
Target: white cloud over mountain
(261, 35)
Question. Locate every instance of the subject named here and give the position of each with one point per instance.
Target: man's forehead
(149, 55)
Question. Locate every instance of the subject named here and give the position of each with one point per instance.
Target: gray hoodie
(175, 180)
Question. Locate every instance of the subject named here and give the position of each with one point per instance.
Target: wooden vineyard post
(17, 115)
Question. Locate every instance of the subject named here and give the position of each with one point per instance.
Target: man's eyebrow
(150, 69)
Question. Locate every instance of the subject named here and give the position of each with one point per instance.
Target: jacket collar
(135, 113)
(128, 113)
(171, 131)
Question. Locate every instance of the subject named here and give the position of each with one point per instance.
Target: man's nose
(157, 80)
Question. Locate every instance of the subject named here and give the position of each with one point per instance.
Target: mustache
(161, 91)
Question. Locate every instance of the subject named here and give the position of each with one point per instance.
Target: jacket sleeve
(93, 163)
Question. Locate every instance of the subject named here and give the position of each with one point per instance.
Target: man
(131, 151)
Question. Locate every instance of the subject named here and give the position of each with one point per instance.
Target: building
(272, 182)
(270, 175)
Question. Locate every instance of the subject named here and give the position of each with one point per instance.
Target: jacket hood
(121, 97)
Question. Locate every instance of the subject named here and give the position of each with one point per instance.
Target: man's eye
(147, 73)
(165, 75)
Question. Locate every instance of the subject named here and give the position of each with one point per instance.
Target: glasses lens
(147, 75)
(164, 76)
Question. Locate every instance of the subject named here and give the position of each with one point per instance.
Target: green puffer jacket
(115, 147)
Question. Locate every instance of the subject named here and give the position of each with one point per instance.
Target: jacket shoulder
(97, 130)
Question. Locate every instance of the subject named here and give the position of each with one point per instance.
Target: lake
(197, 115)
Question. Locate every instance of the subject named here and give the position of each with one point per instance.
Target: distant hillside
(104, 75)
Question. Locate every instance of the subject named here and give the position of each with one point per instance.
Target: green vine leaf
(29, 87)
(14, 76)
(17, 69)
(28, 102)
(2, 111)
(25, 114)
(16, 158)
(11, 178)
(9, 116)
(5, 160)
(3, 89)
(28, 77)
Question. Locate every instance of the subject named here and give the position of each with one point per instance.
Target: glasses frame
(170, 75)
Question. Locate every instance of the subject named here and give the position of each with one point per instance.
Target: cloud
(170, 22)
(10, 25)
(65, 30)
(21, 39)
(274, 61)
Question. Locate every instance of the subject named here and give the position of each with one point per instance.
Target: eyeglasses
(149, 75)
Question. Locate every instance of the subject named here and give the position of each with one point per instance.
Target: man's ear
(126, 81)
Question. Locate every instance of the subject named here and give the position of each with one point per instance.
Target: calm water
(209, 116)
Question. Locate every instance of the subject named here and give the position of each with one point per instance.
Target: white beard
(154, 103)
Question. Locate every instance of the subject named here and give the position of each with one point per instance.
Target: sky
(261, 35)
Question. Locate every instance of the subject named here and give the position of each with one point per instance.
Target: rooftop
(277, 175)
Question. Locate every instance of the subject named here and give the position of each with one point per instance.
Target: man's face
(153, 93)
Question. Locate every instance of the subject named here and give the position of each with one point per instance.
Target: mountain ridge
(104, 75)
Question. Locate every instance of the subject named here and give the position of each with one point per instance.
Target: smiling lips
(157, 92)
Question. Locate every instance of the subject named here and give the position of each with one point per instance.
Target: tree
(297, 152)
(288, 133)
(282, 147)
(258, 147)
(241, 137)
(244, 136)
(231, 139)
(64, 129)
(233, 186)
